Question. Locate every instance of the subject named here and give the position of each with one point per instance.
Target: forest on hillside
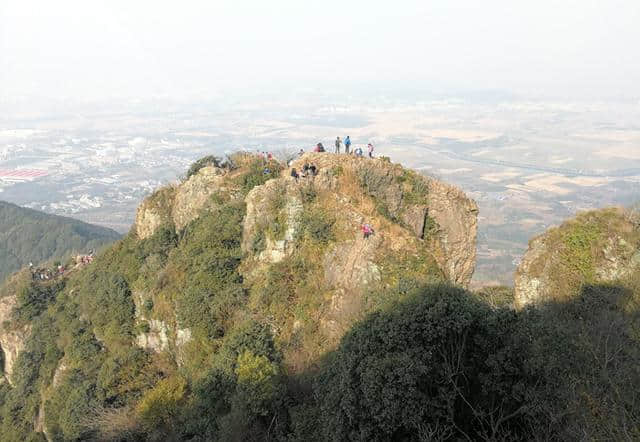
(27, 235)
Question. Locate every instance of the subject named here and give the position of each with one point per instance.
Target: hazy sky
(89, 48)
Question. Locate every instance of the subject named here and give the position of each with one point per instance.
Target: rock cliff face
(318, 220)
(277, 204)
(423, 230)
(12, 340)
(194, 194)
(178, 205)
(439, 214)
(596, 247)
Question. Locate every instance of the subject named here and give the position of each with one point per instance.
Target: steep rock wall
(12, 341)
(179, 205)
(437, 212)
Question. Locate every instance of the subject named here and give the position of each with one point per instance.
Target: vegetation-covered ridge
(244, 305)
(240, 251)
(27, 235)
(597, 246)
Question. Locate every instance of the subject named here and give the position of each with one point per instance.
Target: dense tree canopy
(30, 236)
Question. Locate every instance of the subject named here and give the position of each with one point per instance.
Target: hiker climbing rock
(313, 169)
(305, 170)
(367, 230)
(294, 174)
(338, 144)
(347, 144)
(301, 152)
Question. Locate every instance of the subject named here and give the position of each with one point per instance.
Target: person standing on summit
(347, 144)
(338, 143)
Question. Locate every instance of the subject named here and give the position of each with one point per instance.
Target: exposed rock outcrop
(159, 336)
(12, 340)
(437, 212)
(599, 246)
(195, 194)
(179, 205)
(424, 230)
(154, 212)
(274, 206)
(156, 339)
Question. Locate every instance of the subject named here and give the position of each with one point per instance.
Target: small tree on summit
(209, 160)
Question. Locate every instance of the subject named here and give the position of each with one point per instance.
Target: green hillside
(247, 306)
(30, 236)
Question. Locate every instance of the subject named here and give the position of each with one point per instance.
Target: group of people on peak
(357, 151)
(307, 170)
(347, 147)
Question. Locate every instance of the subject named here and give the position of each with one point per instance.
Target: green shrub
(124, 376)
(416, 190)
(148, 305)
(308, 194)
(209, 160)
(383, 209)
(160, 406)
(259, 242)
(257, 379)
(252, 336)
(580, 242)
(256, 176)
(422, 366)
(163, 240)
(430, 227)
(34, 298)
(316, 225)
(208, 257)
(142, 327)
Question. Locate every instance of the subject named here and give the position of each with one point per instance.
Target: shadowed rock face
(599, 246)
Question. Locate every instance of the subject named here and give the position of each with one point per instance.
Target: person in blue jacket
(347, 144)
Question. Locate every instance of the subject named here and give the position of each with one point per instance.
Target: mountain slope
(246, 305)
(229, 256)
(27, 235)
